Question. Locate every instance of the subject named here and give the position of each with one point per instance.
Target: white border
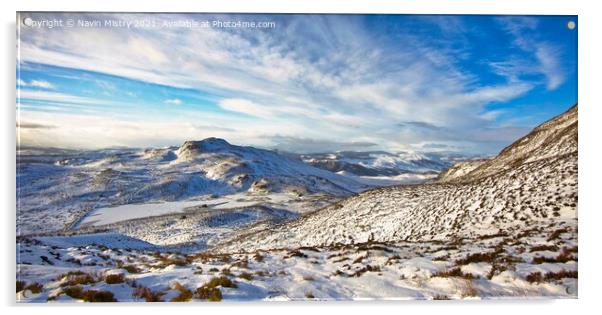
(589, 144)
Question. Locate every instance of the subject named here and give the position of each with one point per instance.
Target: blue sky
(313, 83)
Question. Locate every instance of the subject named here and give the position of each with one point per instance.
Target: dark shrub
(73, 278)
(131, 269)
(246, 276)
(560, 275)
(21, 286)
(538, 248)
(115, 278)
(221, 281)
(534, 277)
(75, 292)
(210, 294)
(479, 257)
(455, 272)
(147, 294)
(98, 296)
(35, 288)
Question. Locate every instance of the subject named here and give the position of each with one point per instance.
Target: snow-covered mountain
(377, 163)
(531, 183)
(249, 168)
(56, 189)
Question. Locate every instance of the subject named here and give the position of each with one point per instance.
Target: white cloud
(59, 97)
(96, 131)
(36, 83)
(41, 84)
(174, 101)
(246, 107)
(549, 65)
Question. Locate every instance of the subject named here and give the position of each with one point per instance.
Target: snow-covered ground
(540, 263)
(212, 221)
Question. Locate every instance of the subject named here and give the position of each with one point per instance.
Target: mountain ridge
(553, 137)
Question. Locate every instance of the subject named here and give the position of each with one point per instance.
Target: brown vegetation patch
(185, 295)
(115, 278)
(454, 272)
(147, 294)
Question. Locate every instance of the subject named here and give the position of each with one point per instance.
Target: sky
(299, 83)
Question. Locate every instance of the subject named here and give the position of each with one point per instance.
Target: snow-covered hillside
(57, 189)
(531, 182)
(460, 169)
(554, 138)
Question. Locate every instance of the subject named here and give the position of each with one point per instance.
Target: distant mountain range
(377, 163)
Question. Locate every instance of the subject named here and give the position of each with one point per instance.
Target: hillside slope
(532, 182)
(553, 138)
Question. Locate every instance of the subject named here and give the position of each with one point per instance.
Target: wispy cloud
(36, 84)
(549, 64)
(303, 145)
(57, 97)
(173, 101)
(546, 56)
(325, 79)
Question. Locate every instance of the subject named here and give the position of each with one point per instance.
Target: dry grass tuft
(480, 257)
(565, 255)
(35, 287)
(221, 282)
(210, 294)
(77, 292)
(454, 272)
(131, 269)
(73, 278)
(258, 257)
(115, 278)
(185, 295)
(246, 275)
(538, 248)
(21, 286)
(147, 294)
(210, 291)
(537, 277)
